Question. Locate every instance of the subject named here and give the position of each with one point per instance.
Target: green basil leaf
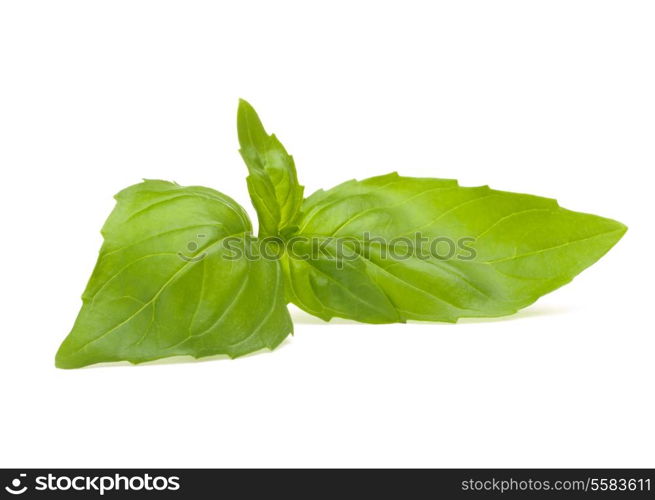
(318, 284)
(502, 250)
(166, 283)
(272, 180)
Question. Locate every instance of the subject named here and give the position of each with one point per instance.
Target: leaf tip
(63, 361)
(244, 109)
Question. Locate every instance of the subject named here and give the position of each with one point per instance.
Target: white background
(551, 98)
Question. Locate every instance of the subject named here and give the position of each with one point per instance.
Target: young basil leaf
(172, 279)
(437, 251)
(272, 180)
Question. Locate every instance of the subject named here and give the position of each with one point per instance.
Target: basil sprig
(180, 272)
